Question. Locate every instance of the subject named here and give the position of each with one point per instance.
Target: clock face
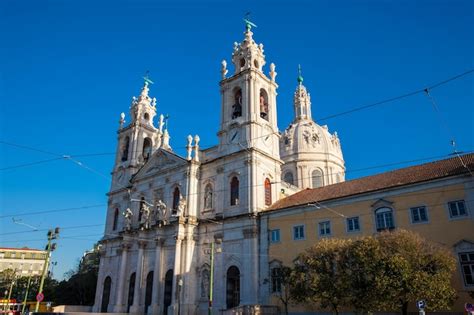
(234, 136)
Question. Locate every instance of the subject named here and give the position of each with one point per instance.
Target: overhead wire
(395, 98)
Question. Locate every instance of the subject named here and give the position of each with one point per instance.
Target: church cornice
(248, 72)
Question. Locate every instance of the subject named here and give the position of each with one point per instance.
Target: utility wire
(29, 164)
(396, 98)
(50, 211)
(200, 193)
(444, 123)
(74, 227)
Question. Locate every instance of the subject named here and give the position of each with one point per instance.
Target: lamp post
(211, 282)
(6, 301)
(10, 292)
(26, 294)
(52, 234)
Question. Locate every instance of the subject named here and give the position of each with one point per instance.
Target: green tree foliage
(381, 273)
(285, 282)
(319, 275)
(417, 269)
(21, 283)
(80, 288)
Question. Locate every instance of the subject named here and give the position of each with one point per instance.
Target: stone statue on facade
(161, 213)
(181, 206)
(145, 217)
(128, 215)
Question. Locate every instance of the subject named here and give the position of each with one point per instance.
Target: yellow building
(434, 199)
(24, 261)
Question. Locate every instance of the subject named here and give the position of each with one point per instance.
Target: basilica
(183, 233)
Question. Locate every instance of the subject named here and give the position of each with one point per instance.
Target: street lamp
(52, 235)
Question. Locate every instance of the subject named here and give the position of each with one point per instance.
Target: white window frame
(320, 226)
(389, 210)
(358, 223)
(412, 218)
(277, 232)
(275, 289)
(457, 217)
(470, 264)
(294, 229)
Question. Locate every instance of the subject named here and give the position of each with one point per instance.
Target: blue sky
(69, 68)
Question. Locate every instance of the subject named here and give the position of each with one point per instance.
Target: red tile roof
(404, 176)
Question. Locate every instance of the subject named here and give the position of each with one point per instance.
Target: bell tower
(248, 105)
(139, 139)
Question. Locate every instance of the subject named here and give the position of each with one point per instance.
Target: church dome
(312, 155)
(305, 137)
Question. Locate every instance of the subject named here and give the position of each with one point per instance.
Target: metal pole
(211, 282)
(26, 295)
(10, 294)
(45, 268)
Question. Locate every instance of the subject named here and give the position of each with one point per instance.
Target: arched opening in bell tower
(146, 152)
(125, 145)
(237, 107)
(263, 104)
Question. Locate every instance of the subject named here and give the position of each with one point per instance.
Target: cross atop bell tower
(249, 118)
(248, 55)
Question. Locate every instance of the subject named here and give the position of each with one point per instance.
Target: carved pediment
(159, 161)
(463, 245)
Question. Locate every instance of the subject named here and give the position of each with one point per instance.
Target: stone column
(157, 276)
(119, 305)
(249, 283)
(175, 300)
(188, 290)
(135, 308)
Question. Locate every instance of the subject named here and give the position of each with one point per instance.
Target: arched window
(208, 197)
(268, 192)
(106, 295)
(148, 291)
(205, 278)
(234, 191)
(263, 104)
(168, 290)
(384, 218)
(237, 107)
(233, 287)
(131, 291)
(126, 144)
(146, 153)
(176, 196)
(146, 116)
(317, 178)
(276, 279)
(288, 177)
(115, 222)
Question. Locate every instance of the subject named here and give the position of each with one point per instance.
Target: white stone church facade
(165, 211)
